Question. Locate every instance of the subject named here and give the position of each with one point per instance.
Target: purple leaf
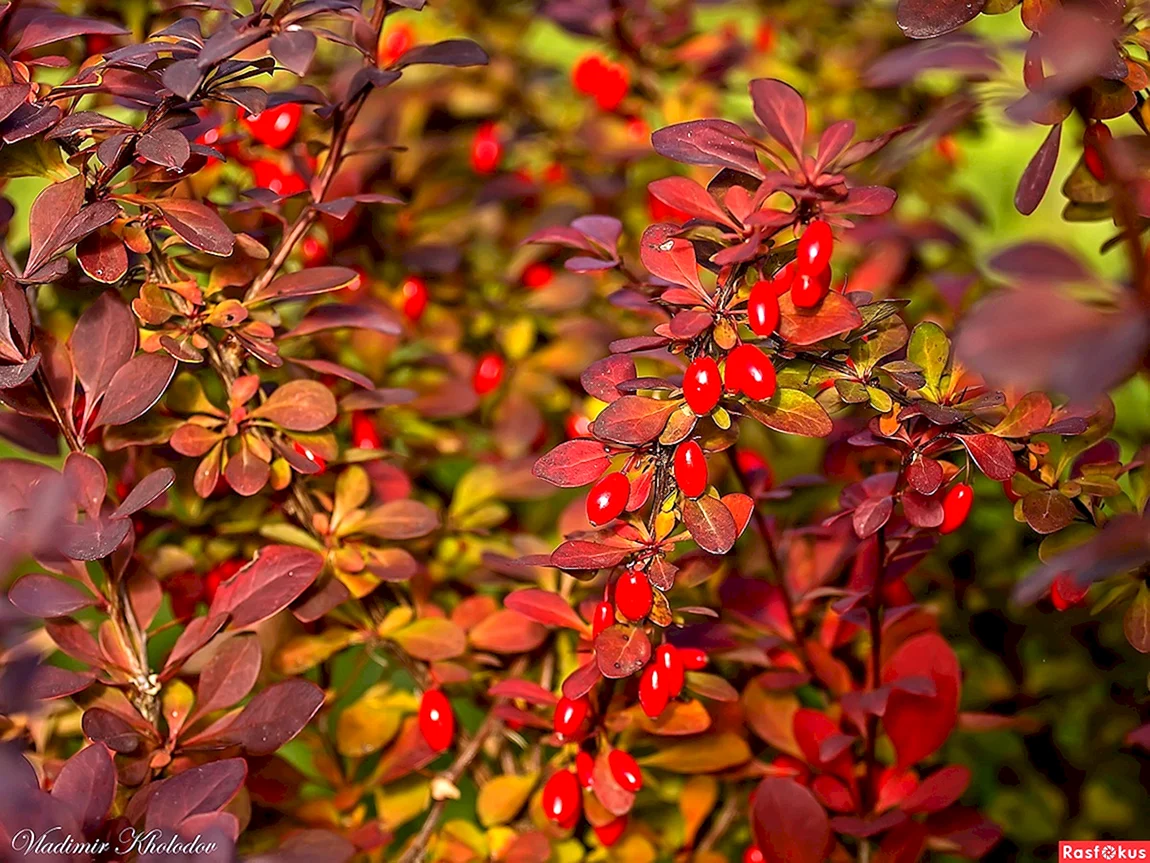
(198, 790)
(87, 784)
(135, 388)
(782, 112)
(46, 596)
(924, 19)
(1035, 179)
(268, 584)
(718, 143)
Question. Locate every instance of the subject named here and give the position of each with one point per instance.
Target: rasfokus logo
(1102, 850)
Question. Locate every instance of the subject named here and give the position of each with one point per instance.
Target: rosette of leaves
(252, 446)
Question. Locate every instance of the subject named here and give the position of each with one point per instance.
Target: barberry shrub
(307, 308)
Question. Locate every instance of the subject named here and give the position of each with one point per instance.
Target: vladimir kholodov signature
(55, 841)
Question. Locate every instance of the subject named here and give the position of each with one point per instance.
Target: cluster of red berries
(748, 371)
(275, 128)
(604, 80)
(187, 589)
(610, 496)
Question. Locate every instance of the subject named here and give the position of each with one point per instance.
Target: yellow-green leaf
(709, 754)
(929, 349)
(502, 798)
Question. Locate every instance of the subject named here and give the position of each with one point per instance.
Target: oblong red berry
(671, 664)
(633, 596)
(653, 694)
(956, 507)
(608, 498)
(488, 373)
(1094, 139)
(693, 658)
(1066, 592)
(364, 434)
(782, 280)
(690, 468)
(436, 719)
(808, 290)
(702, 385)
(562, 798)
(763, 309)
(815, 247)
(610, 833)
(625, 769)
(275, 127)
(584, 767)
(751, 372)
(569, 715)
(414, 293)
(753, 855)
(602, 617)
(486, 149)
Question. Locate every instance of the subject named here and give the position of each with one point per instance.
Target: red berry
(956, 507)
(436, 720)
(537, 275)
(316, 459)
(633, 596)
(586, 73)
(578, 426)
(764, 37)
(690, 469)
(488, 373)
(584, 767)
(815, 246)
(275, 127)
(671, 664)
(395, 43)
(603, 616)
(1096, 136)
(363, 432)
(751, 372)
(625, 769)
(313, 251)
(702, 385)
(763, 309)
(486, 149)
(1065, 591)
(807, 290)
(782, 280)
(562, 798)
(753, 855)
(609, 833)
(614, 81)
(269, 175)
(608, 498)
(414, 293)
(220, 573)
(693, 658)
(653, 694)
(185, 589)
(569, 715)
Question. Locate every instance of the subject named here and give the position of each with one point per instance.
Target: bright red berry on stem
(782, 280)
(395, 43)
(488, 373)
(315, 458)
(414, 293)
(584, 767)
(603, 616)
(562, 798)
(1096, 136)
(486, 149)
(436, 719)
(808, 290)
(275, 127)
(313, 251)
(751, 372)
(693, 658)
(690, 468)
(537, 275)
(956, 507)
(702, 385)
(763, 309)
(269, 175)
(653, 693)
(633, 596)
(753, 855)
(625, 769)
(610, 833)
(815, 246)
(363, 432)
(671, 664)
(578, 426)
(569, 715)
(1065, 592)
(608, 498)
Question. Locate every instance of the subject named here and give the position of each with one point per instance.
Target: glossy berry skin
(751, 372)
(275, 127)
(702, 385)
(671, 664)
(1094, 139)
(363, 432)
(584, 768)
(625, 769)
(956, 507)
(569, 715)
(313, 251)
(395, 43)
(436, 720)
(605, 80)
(690, 468)
(537, 275)
(269, 175)
(608, 498)
(488, 374)
(653, 692)
(753, 855)
(763, 309)
(315, 459)
(782, 280)
(1065, 591)
(603, 616)
(808, 290)
(815, 246)
(486, 149)
(633, 596)
(414, 293)
(562, 798)
(610, 833)
(692, 658)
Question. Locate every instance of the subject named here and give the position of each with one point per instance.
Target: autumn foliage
(311, 314)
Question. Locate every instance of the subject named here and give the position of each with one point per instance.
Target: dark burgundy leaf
(168, 149)
(87, 784)
(780, 109)
(293, 49)
(274, 716)
(48, 27)
(871, 514)
(15, 374)
(304, 283)
(198, 790)
(718, 143)
(1047, 510)
(183, 78)
(711, 524)
(1035, 180)
(47, 596)
(585, 554)
(102, 341)
(338, 316)
(103, 256)
(137, 386)
(789, 823)
(924, 19)
(93, 539)
(229, 676)
(633, 419)
(601, 379)
(277, 576)
(198, 225)
(50, 682)
(145, 491)
(992, 455)
(450, 52)
(111, 730)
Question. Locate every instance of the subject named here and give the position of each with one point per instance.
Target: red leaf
(273, 717)
(718, 143)
(834, 316)
(573, 463)
(601, 379)
(633, 420)
(937, 791)
(305, 283)
(229, 676)
(586, 554)
(87, 784)
(198, 225)
(102, 341)
(670, 258)
(685, 194)
(136, 386)
(48, 596)
(525, 690)
(711, 524)
(620, 650)
(916, 724)
(790, 825)
(544, 607)
(780, 109)
(924, 19)
(1035, 180)
(198, 790)
(268, 584)
(992, 455)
